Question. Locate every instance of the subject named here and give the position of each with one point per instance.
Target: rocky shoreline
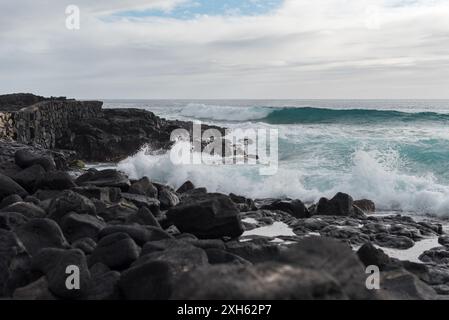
(139, 239)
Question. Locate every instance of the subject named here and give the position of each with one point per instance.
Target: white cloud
(307, 48)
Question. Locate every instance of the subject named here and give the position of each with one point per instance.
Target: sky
(228, 49)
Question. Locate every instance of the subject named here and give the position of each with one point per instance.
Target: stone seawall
(45, 122)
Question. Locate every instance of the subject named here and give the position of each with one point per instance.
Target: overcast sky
(227, 49)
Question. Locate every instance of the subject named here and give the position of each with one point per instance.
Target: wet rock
(104, 178)
(243, 204)
(294, 207)
(38, 234)
(406, 231)
(350, 234)
(438, 256)
(27, 209)
(78, 226)
(268, 281)
(144, 187)
(25, 159)
(367, 206)
(312, 224)
(340, 205)
(143, 201)
(167, 198)
(186, 186)
(207, 216)
(69, 201)
(9, 187)
(54, 263)
(140, 234)
(371, 256)
(392, 241)
(444, 240)
(116, 251)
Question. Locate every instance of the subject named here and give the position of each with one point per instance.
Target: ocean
(394, 152)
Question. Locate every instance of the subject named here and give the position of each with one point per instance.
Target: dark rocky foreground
(144, 240)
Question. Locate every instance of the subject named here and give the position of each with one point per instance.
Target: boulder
(254, 252)
(144, 217)
(117, 251)
(14, 262)
(140, 234)
(87, 245)
(219, 256)
(9, 187)
(402, 285)
(294, 207)
(56, 180)
(183, 257)
(105, 286)
(104, 194)
(12, 220)
(161, 245)
(371, 256)
(268, 281)
(54, 263)
(27, 209)
(244, 204)
(25, 159)
(438, 256)
(207, 216)
(37, 290)
(10, 200)
(38, 234)
(186, 186)
(444, 240)
(365, 205)
(118, 212)
(142, 201)
(152, 280)
(78, 226)
(392, 241)
(340, 205)
(144, 187)
(333, 257)
(29, 178)
(104, 178)
(69, 201)
(167, 198)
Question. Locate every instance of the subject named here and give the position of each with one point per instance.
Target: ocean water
(394, 152)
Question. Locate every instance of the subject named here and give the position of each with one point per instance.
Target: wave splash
(373, 175)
